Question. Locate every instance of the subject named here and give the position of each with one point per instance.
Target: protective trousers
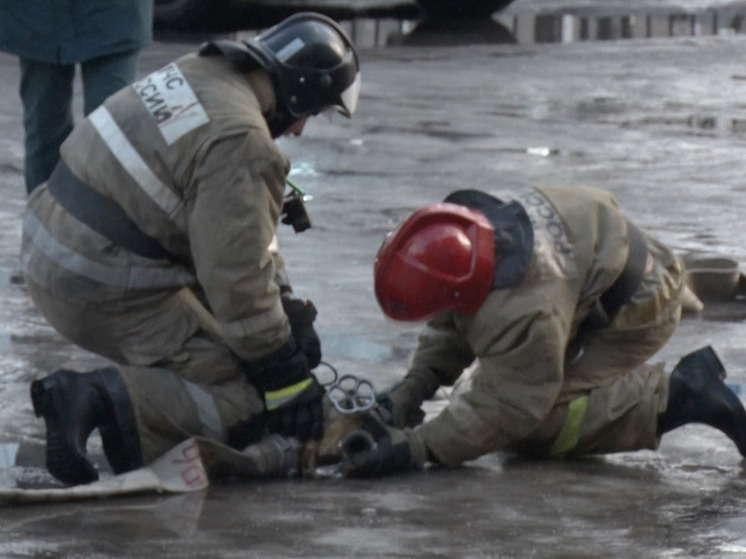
(618, 417)
(182, 380)
(611, 399)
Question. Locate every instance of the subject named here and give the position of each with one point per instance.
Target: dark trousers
(47, 95)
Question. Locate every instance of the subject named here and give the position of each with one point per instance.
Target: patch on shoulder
(169, 98)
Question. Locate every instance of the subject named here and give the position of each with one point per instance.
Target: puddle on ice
(8, 453)
(303, 169)
(10, 277)
(22, 464)
(349, 347)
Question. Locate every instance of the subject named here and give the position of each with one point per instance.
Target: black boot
(697, 394)
(73, 405)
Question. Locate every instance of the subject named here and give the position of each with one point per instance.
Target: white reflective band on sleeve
(255, 324)
(133, 162)
(117, 276)
(274, 245)
(207, 409)
(168, 96)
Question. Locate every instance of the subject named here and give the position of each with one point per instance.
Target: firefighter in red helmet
(442, 258)
(558, 300)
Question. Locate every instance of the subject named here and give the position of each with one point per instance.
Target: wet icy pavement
(658, 122)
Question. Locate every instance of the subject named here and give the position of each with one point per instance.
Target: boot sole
(63, 461)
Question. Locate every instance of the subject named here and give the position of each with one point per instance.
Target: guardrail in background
(560, 26)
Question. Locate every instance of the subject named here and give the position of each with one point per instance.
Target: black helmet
(313, 63)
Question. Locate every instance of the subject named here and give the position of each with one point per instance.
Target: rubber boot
(697, 394)
(73, 405)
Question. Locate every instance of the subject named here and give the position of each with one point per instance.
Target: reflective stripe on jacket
(520, 336)
(187, 154)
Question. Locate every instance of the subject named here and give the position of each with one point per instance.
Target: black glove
(377, 450)
(301, 313)
(292, 395)
(399, 405)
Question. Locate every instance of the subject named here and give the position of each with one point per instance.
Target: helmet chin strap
(279, 121)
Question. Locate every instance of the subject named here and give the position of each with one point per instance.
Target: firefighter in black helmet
(153, 244)
(313, 65)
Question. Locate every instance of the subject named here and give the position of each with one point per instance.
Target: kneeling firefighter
(154, 245)
(559, 301)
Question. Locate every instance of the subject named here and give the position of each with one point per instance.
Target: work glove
(301, 313)
(375, 449)
(292, 395)
(399, 405)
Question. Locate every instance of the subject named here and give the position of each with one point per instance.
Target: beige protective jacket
(187, 154)
(527, 372)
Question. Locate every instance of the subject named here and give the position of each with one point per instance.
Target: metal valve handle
(349, 393)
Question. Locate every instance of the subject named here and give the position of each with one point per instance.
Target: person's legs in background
(105, 75)
(46, 92)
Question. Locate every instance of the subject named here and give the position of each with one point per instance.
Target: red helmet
(442, 258)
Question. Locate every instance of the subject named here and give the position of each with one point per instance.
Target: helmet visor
(350, 96)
